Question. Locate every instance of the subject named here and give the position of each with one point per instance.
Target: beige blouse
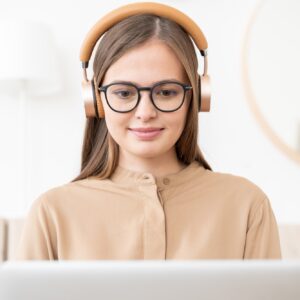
(193, 214)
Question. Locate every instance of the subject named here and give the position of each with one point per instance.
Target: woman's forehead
(150, 62)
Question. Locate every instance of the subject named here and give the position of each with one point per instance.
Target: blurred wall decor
(270, 70)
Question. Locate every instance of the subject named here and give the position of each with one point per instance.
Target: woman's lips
(146, 133)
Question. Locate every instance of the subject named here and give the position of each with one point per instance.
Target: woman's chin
(146, 151)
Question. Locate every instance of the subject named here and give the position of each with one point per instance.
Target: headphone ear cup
(204, 93)
(98, 100)
(90, 105)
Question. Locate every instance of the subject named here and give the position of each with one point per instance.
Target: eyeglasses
(166, 96)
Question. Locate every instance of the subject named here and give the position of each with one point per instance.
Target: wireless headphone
(91, 95)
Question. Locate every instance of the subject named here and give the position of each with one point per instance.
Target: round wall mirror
(271, 71)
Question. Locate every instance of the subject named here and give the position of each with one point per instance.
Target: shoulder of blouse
(222, 183)
(245, 188)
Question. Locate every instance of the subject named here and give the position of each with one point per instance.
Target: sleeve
(262, 239)
(36, 241)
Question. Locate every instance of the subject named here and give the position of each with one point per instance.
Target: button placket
(154, 230)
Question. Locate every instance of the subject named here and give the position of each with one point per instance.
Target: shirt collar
(126, 176)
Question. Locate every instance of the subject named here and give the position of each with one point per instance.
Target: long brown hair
(100, 152)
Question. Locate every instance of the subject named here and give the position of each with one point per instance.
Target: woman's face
(145, 65)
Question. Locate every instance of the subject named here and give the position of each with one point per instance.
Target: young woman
(145, 190)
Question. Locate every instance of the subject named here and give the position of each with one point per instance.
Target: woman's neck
(158, 166)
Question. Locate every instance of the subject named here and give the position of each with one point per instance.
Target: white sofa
(10, 230)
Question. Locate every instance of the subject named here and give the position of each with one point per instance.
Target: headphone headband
(125, 11)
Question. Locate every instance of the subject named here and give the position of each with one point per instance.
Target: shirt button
(166, 181)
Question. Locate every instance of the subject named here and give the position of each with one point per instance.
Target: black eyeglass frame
(185, 87)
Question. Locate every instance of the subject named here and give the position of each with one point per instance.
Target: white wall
(230, 137)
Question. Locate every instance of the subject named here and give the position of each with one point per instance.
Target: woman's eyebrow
(137, 84)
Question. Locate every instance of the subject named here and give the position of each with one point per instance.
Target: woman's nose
(145, 109)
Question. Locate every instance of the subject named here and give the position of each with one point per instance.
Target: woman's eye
(167, 93)
(123, 94)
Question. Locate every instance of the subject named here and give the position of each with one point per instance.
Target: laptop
(155, 280)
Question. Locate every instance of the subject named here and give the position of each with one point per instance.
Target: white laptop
(155, 280)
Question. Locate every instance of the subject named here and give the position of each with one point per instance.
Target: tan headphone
(91, 95)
